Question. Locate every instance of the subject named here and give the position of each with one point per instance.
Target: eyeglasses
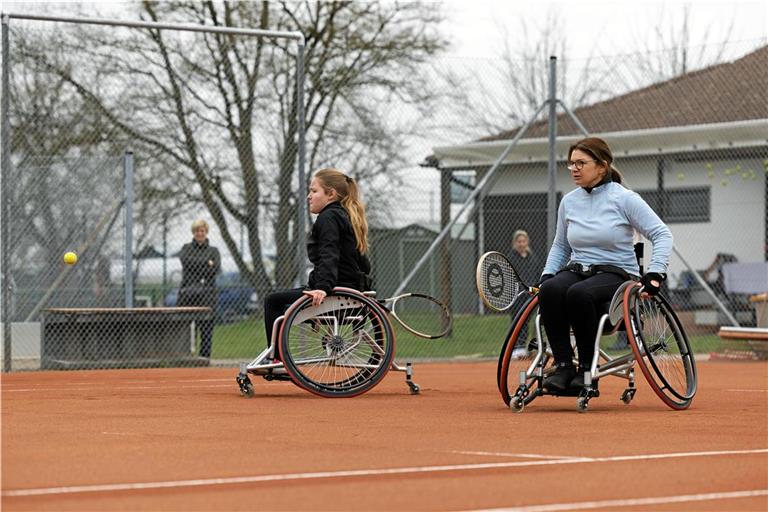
(577, 164)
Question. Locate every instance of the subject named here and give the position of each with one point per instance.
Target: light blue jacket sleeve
(644, 219)
(560, 252)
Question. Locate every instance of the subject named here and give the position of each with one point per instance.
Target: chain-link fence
(692, 145)
(117, 137)
(212, 122)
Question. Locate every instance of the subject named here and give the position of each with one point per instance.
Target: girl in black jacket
(337, 245)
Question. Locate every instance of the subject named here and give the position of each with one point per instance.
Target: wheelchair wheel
(661, 348)
(341, 348)
(518, 354)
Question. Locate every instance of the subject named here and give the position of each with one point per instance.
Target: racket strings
(422, 315)
(498, 281)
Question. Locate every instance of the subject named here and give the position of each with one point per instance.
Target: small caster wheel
(582, 404)
(415, 389)
(517, 404)
(628, 395)
(246, 387)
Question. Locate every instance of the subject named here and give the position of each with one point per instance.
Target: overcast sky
(603, 27)
(613, 24)
(593, 28)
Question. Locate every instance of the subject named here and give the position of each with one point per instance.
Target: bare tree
(62, 189)
(669, 51)
(214, 116)
(505, 90)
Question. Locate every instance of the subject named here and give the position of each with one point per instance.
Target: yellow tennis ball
(70, 258)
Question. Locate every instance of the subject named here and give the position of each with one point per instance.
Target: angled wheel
(519, 353)
(661, 348)
(341, 348)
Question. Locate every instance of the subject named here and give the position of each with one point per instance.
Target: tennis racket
(420, 314)
(498, 283)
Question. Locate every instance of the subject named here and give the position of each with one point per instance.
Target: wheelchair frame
(648, 350)
(340, 339)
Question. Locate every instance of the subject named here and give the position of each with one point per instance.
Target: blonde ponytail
(349, 198)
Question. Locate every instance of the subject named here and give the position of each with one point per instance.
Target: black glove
(652, 282)
(544, 278)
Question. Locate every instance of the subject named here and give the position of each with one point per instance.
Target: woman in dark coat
(337, 245)
(200, 264)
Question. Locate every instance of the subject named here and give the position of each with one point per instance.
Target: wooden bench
(756, 337)
(90, 338)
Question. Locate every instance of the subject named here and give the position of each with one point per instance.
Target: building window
(462, 185)
(676, 205)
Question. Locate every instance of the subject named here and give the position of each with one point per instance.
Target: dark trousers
(275, 304)
(571, 300)
(206, 337)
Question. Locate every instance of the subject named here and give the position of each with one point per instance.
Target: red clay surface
(184, 439)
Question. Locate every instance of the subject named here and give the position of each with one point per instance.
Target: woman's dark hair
(600, 151)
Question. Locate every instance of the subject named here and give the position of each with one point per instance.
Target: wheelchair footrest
(575, 391)
(273, 376)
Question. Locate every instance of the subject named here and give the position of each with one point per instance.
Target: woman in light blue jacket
(591, 255)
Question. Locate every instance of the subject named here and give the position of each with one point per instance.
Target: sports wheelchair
(342, 347)
(657, 340)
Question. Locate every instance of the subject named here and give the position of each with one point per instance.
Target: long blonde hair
(349, 196)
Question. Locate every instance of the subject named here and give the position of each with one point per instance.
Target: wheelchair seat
(615, 311)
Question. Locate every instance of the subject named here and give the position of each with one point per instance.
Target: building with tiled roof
(695, 147)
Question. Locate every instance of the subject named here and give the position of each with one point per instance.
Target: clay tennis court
(184, 439)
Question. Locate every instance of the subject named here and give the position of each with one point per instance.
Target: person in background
(200, 264)
(337, 245)
(591, 255)
(523, 258)
(528, 267)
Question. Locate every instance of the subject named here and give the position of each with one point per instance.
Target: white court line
(111, 388)
(521, 455)
(353, 473)
(632, 502)
(79, 385)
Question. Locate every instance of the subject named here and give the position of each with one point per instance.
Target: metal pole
(165, 253)
(709, 290)
(128, 251)
(155, 25)
(552, 168)
(301, 234)
(575, 119)
(4, 202)
(480, 243)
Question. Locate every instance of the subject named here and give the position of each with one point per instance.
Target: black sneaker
(578, 380)
(561, 379)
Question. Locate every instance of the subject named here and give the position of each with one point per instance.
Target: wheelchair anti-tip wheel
(341, 348)
(518, 353)
(661, 348)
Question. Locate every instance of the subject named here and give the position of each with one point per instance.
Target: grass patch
(473, 336)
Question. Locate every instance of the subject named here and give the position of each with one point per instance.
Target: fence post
(301, 221)
(4, 199)
(128, 251)
(552, 166)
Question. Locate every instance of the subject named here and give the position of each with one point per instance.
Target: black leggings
(571, 300)
(277, 303)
